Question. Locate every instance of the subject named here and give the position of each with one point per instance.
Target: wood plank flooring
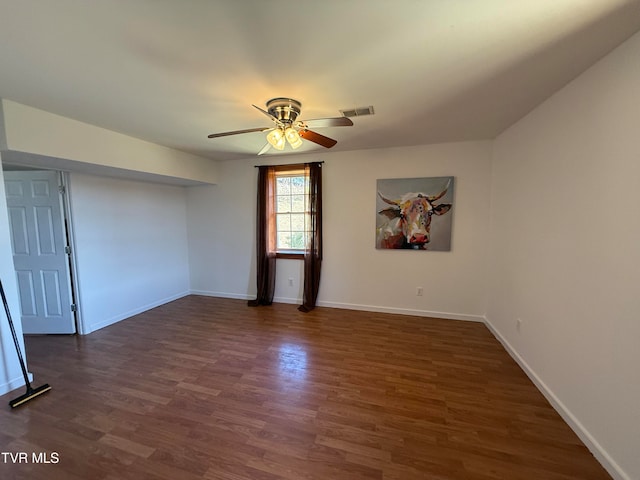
(208, 388)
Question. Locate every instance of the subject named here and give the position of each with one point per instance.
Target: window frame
(289, 171)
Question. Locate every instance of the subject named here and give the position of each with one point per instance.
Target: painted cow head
(412, 215)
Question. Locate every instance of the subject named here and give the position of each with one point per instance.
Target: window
(292, 216)
(281, 192)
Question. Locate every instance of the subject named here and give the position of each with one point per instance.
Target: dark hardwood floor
(208, 388)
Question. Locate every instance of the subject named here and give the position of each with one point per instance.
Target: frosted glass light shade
(291, 134)
(276, 138)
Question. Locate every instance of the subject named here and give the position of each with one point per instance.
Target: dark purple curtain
(313, 249)
(265, 238)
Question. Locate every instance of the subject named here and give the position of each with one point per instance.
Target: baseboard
(14, 383)
(208, 293)
(87, 329)
(354, 306)
(590, 442)
(404, 311)
(237, 296)
(292, 301)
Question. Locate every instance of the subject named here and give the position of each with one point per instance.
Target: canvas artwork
(414, 213)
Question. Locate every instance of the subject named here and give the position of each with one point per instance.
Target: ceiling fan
(284, 113)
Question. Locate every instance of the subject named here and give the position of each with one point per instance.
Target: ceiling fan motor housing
(286, 110)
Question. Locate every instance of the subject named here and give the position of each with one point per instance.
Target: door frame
(67, 220)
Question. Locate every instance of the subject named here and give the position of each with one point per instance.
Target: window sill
(290, 254)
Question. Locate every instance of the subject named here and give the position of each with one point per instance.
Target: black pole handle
(15, 337)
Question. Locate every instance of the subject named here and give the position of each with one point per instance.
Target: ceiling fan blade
(265, 149)
(317, 138)
(328, 122)
(236, 132)
(267, 114)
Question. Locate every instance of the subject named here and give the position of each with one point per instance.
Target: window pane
(297, 222)
(283, 222)
(297, 240)
(283, 204)
(290, 204)
(283, 185)
(297, 203)
(284, 240)
(297, 185)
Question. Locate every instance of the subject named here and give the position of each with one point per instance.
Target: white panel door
(38, 239)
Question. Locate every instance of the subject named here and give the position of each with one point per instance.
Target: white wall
(131, 246)
(221, 224)
(10, 373)
(566, 252)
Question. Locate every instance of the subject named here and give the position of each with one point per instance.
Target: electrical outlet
(419, 291)
(518, 324)
(291, 281)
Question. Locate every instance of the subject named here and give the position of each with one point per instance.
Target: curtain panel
(265, 237)
(313, 245)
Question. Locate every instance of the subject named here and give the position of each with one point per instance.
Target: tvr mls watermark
(26, 457)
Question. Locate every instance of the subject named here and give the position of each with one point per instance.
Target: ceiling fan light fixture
(284, 112)
(276, 138)
(291, 134)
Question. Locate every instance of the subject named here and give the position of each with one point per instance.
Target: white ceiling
(173, 71)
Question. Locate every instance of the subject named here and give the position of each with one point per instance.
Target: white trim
(590, 442)
(72, 275)
(123, 316)
(208, 293)
(237, 296)
(14, 383)
(404, 311)
(293, 301)
(353, 306)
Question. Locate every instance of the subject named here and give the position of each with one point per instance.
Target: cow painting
(406, 220)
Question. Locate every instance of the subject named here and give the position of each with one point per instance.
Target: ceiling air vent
(358, 112)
